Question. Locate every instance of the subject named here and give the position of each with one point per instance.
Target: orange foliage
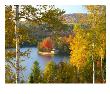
(46, 44)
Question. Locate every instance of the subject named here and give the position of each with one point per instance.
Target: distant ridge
(74, 17)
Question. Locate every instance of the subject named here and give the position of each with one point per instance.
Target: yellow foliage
(78, 47)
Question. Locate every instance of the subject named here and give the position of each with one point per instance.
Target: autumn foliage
(46, 44)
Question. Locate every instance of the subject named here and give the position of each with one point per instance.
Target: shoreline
(45, 53)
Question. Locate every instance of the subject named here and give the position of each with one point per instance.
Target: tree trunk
(78, 75)
(93, 63)
(102, 71)
(17, 44)
(93, 69)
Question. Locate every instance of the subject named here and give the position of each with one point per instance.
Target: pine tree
(35, 76)
(34, 16)
(50, 72)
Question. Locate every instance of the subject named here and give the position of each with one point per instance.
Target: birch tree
(90, 42)
(34, 16)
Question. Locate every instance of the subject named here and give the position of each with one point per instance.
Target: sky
(72, 8)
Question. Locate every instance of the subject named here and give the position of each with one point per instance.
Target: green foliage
(35, 17)
(62, 73)
(10, 76)
(35, 76)
(87, 72)
(88, 42)
(66, 73)
(100, 74)
(55, 22)
(62, 46)
(9, 27)
(49, 72)
(97, 35)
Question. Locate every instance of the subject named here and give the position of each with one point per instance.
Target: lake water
(43, 60)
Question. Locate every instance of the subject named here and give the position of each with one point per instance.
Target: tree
(53, 18)
(62, 45)
(50, 72)
(66, 73)
(9, 27)
(10, 36)
(10, 76)
(33, 15)
(78, 47)
(87, 72)
(17, 44)
(35, 76)
(89, 42)
(79, 50)
(97, 21)
(46, 44)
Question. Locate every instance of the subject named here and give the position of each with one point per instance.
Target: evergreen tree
(34, 16)
(50, 72)
(35, 76)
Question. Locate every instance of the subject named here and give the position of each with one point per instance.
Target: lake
(43, 60)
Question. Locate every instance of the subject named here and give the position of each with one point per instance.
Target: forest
(54, 33)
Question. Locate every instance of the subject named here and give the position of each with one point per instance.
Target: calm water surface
(43, 60)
